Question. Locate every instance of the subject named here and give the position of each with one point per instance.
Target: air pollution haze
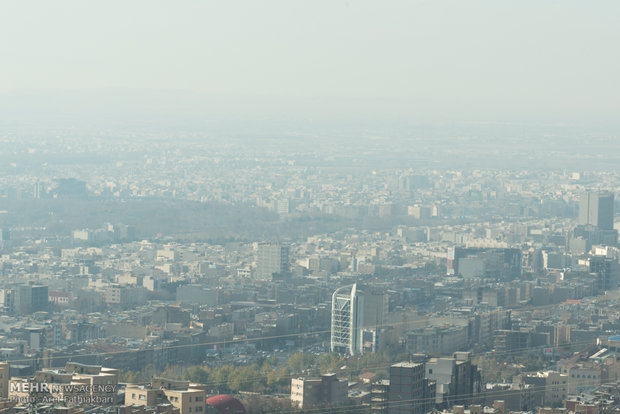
(287, 206)
(535, 61)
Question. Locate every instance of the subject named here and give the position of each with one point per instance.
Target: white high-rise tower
(354, 311)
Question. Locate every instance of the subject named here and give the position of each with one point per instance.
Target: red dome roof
(226, 404)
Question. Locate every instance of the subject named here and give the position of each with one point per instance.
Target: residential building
(327, 390)
(549, 388)
(183, 395)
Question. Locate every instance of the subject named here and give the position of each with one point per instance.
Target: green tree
(330, 362)
(172, 372)
(197, 374)
(219, 378)
(262, 405)
(129, 377)
(300, 361)
(279, 378)
(246, 378)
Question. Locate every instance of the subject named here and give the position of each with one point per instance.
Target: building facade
(355, 311)
(327, 391)
(409, 391)
(596, 208)
(272, 258)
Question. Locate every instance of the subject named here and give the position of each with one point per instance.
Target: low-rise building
(183, 395)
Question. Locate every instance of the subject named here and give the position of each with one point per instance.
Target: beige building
(188, 398)
(548, 387)
(582, 377)
(438, 340)
(325, 391)
(142, 409)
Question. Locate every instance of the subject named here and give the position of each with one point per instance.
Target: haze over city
(536, 61)
(309, 207)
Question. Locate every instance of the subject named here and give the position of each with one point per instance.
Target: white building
(355, 310)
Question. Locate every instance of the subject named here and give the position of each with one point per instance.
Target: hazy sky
(483, 58)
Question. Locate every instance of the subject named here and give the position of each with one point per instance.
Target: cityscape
(295, 283)
(291, 207)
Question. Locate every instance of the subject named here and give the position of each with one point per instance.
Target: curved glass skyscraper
(357, 315)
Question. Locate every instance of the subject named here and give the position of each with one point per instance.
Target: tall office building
(7, 297)
(5, 238)
(272, 258)
(607, 272)
(596, 208)
(357, 312)
(30, 299)
(409, 391)
(456, 378)
(38, 190)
